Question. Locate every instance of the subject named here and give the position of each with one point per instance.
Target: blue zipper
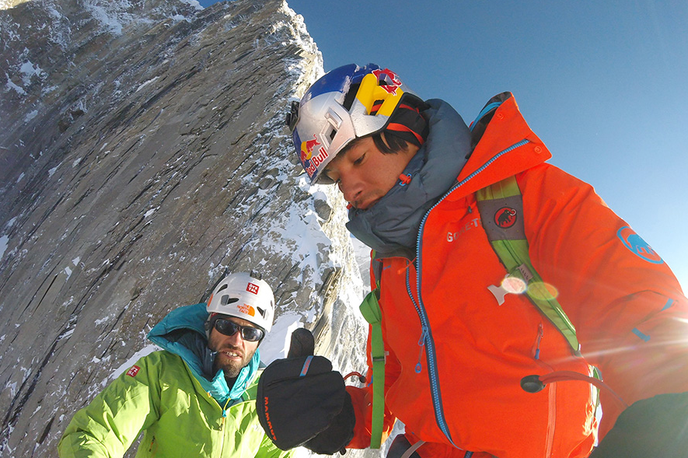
(425, 328)
(426, 338)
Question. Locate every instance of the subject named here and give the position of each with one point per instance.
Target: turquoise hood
(182, 332)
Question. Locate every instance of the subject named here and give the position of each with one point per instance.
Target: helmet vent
(350, 96)
(228, 300)
(262, 311)
(333, 119)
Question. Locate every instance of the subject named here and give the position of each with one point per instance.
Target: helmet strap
(408, 124)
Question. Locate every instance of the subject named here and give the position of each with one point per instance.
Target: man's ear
(209, 323)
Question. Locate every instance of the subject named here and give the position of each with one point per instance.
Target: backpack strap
(370, 308)
(501, 212)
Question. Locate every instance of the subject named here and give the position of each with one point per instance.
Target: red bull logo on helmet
(312, 157)
(307, 148)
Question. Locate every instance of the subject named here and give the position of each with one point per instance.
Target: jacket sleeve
(112, 421)
(269, 450)
(657, 426)
(629, 311)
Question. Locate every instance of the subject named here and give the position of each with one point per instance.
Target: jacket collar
(500, 144)
(390, 226)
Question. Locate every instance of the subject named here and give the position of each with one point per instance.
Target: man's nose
(349, 190)
(235, 339)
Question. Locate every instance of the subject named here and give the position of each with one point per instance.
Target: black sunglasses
(229, 328)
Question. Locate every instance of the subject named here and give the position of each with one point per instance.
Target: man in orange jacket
(473, 368)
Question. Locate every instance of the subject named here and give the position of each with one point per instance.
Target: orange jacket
(456, 357)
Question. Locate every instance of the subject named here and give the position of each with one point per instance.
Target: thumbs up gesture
(301, 401)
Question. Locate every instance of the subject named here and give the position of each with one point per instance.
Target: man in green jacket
(196, 398)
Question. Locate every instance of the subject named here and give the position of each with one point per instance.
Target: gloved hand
(302, 401)
(656, 426)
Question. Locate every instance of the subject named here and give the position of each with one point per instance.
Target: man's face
(233, 352)
(364, 174)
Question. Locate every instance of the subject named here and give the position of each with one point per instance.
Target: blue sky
(603, 84)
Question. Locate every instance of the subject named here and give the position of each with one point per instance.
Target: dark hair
(394, 143)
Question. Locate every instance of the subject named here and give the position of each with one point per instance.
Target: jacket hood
(503, 146)
(182, 332)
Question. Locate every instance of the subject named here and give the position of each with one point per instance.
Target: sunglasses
(229, 328)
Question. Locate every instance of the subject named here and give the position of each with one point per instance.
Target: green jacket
(170, 397)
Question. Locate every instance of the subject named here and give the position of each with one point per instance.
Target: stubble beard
(230, 368)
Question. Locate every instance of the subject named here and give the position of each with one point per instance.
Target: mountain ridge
(140, 164)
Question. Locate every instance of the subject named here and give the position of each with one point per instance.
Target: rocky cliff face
(142, 156)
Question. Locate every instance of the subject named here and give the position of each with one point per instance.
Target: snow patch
(28, 70)
(193, 3)
(304, 246)
(276, 342)
(362, 253)
(180, 18)
(146, 83)
(107, 19)
(67, 334)
(4, 241)
(29, 116)
(147, 350)
(11, 86)
(101, 321)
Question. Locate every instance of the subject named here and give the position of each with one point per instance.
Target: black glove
(339, 433)
(651, 427)
(302, 343)
(302, 401)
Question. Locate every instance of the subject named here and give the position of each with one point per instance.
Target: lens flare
(544, 291)
(514, 285)
(539, 290)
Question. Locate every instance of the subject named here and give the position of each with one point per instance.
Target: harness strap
(412, 449)
(501, 212)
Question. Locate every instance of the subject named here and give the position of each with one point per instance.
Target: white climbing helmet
(244, 296)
